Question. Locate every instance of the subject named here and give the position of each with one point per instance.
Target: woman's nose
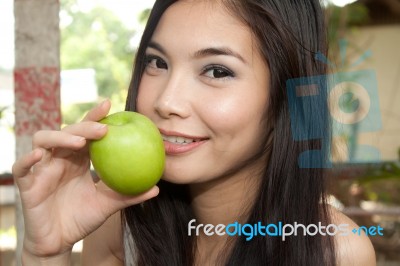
(174, 100)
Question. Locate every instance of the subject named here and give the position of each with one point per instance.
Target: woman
(212, 76)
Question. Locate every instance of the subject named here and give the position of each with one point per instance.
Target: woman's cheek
(146, 96)
(226, 113)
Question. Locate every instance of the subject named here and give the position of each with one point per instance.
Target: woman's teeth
(177, 140)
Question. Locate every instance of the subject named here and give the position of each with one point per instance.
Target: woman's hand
(61, 202)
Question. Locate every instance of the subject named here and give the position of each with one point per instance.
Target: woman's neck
(222, 201)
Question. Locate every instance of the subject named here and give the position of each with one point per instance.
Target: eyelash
(214, 67)
(150, 58)
(226, 71)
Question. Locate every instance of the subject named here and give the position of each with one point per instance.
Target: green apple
(130, 158)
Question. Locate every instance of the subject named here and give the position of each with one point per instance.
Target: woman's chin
(175, 179)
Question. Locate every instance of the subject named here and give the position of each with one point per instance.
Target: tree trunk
(36, 79)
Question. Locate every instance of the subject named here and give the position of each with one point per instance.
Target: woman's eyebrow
(218, 51)
(211, 51)
(156, 46)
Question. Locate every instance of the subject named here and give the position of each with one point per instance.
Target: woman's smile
(178, 143)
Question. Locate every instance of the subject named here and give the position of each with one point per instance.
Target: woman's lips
(176, 149)
(177, 143)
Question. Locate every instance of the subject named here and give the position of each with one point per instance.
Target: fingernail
(77, 138)
(103, 102)
(100, 126)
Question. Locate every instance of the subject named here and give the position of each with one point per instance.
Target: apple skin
(130, 158)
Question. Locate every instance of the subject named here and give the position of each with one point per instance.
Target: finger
(23, 166)
(129, 201)
(87, 129)
(115, 201)
(98, 112)
(48, 139)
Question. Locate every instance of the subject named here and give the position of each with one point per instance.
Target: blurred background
(97, 42)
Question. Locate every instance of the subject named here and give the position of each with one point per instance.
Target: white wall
(384, 42)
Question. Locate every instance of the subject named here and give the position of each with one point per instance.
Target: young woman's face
(206, 88)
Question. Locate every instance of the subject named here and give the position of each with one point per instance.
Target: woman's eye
(156, 62)
(218, 72)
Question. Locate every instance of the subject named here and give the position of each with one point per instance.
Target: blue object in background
(348, 99)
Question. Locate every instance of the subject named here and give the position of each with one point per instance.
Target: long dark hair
(288, 34)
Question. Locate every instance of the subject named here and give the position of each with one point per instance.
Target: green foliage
(385, 170)
(2, 109)
(381, 182)
(144, 16)
(96, 39)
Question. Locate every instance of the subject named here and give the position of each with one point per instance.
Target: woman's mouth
(179, 140)
(176, 143)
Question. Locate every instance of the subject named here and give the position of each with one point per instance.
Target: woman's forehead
(201, 23)
(197, 12)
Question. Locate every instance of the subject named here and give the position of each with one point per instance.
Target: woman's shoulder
(352, 248)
